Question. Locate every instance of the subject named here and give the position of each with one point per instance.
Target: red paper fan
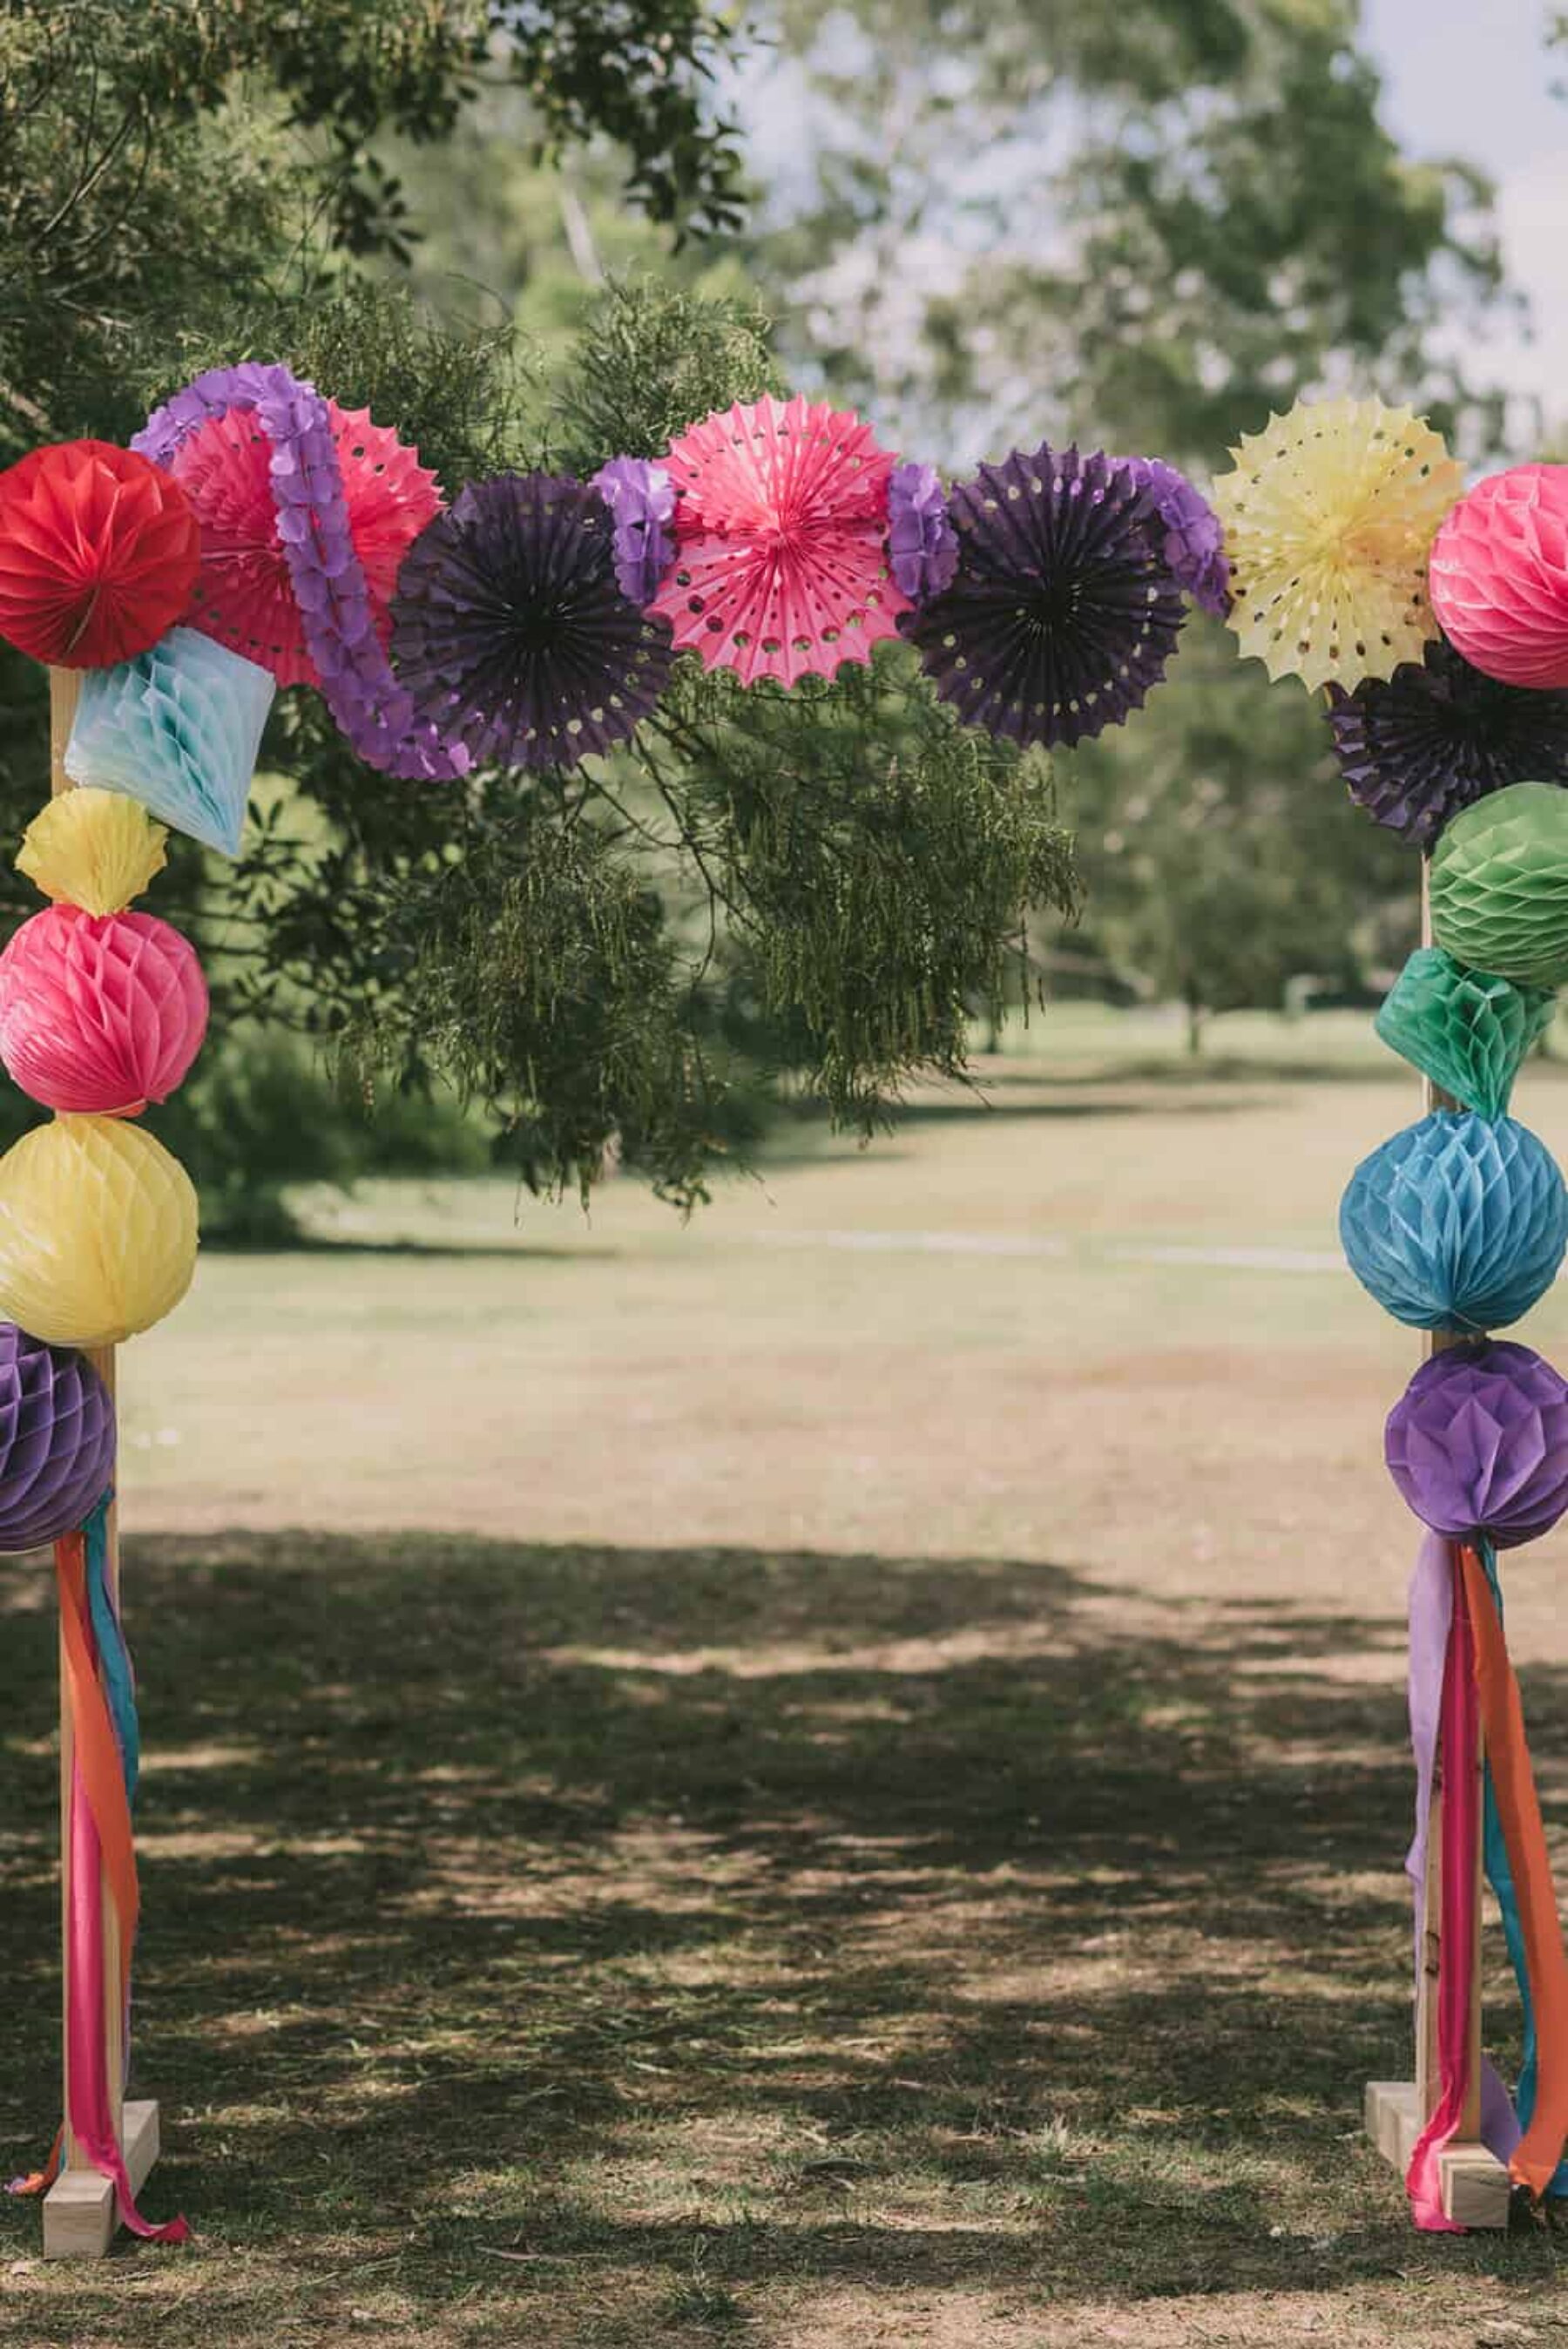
(781, 565)
(98, 551)
(244, 597)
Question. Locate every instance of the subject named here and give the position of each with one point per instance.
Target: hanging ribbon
(1499, 1876)
(104, 1768)
(1540, 1933)
(1460, 1832)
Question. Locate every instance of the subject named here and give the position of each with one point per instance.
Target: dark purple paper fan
(511, 631)
(57, 1440)
(1418, 747)
(1063, 612)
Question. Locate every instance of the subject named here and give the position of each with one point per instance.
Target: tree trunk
(1195, 1017)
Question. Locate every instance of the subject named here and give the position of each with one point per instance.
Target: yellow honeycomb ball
(93, 849)
(97, 1231)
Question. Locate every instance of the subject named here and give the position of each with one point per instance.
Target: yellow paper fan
(1329, 517)
(93, 849)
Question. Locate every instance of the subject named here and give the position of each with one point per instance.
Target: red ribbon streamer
(1535, 2159)
(101, 1851)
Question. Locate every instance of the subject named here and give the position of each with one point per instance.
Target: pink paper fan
(781, 566)
(1498, 577)
(243, 595)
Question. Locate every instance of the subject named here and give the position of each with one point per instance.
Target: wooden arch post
(1475, 2187)
(80, 2214)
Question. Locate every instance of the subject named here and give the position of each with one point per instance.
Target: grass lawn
(832, 1776)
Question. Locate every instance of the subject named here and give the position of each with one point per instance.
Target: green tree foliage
(764, 891)
(1146, 223)
(1146, 227)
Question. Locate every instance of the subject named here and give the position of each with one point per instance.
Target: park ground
(833, 1776)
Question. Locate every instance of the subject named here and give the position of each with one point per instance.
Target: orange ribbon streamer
(1535, 2160)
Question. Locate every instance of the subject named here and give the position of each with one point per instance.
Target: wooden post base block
(1477, 2190)
(80, 2220)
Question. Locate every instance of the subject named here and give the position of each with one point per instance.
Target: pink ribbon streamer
(1461, 1827)
(92, 2127)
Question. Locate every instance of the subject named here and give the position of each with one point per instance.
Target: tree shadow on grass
(827, 1922)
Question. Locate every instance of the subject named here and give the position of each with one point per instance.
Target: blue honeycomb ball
(1457, 1224)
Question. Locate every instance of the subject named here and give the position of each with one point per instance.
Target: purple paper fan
(511, 633)
(1438, 735)
(1478, 1444)
(57, 1440)
(1063, 612)
(1193, 542)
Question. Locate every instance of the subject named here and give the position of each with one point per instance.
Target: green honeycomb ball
(1500, 885)
(1468, 1031)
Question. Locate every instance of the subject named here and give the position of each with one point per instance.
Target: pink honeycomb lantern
(100, 1013)
(1498, 575)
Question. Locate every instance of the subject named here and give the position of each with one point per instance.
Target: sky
(1473, 78)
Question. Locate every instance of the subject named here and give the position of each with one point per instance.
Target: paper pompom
(1437, 736)
(921, 544)
(1457, 1224)
(99, 552)
(1062, 614)
(510, 632)
(1478, 1444)
(1498, 575)
(1328, 518)
(97, 1231)
(244, 594)
(641, 502)
(100, 1013)
(781, 562)
(56, 1441)
(1188, 528)
(1468, 1031)
(178, 728)
(1500, 885)
(92, 849)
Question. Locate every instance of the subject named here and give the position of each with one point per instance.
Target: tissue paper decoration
(99, 1012)
(921, 544)
(1500, 885)
(179, 729)
(1437, 736)
(1456, 1223)
(330, 586)
(1499, 575)
(1478, 1444)
(56, 1441)
(99, 552)
(97, 1231)
(641, 502)
(511, 633)
(1329, 517)
(1062, 614)
(1468, 1031)
(244, 593)
(1189, 533)
(782, 561)
(92, 849)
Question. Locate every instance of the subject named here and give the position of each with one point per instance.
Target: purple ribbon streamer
(373, 711)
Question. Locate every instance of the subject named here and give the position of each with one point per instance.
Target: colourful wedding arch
(257, 536)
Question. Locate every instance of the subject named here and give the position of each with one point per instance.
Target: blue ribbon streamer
(114, 1656)
(1499, 1876)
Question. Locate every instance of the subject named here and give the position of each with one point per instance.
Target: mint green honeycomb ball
(1500, 885)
